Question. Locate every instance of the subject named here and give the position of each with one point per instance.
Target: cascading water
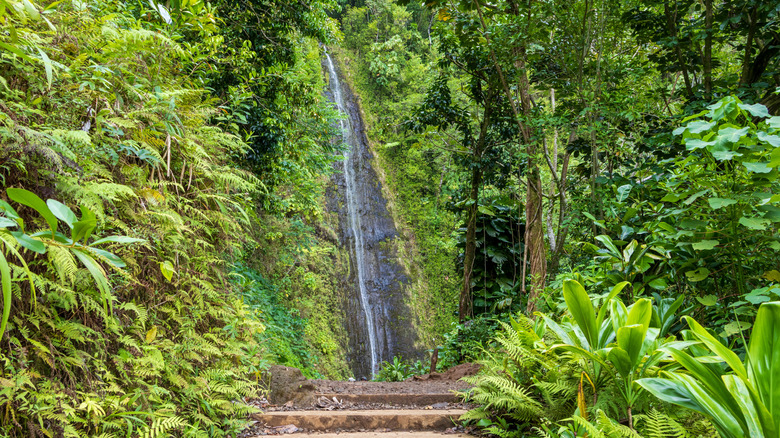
(352, 209)
(378, 321)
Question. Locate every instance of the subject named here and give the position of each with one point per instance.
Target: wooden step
(394, 420)
(395, 399)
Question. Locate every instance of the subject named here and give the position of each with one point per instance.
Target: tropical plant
(741, 402)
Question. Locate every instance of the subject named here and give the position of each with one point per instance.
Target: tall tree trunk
(534, 227)
(465, 307)
(708, 50)
(671, 26)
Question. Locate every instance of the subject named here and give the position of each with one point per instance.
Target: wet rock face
(356, 195)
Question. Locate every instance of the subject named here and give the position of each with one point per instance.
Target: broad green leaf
(630, 338)
(716, 347)
(757, 167)
(729, 421)
(623, 192)
(7, 223)
(31, 10)
(671, 197)
(692, 144)
(708, 300)
(764, 357)
(718, 203)
(773, 140)
(30, 199)
(83, 228)
(28, 242)
(691, 199)
(62, 212)
(697, 274)
(754, 223)
(735, 327)
(99, 275)
(698, 127)
(755, 416)
(117, 239)
(670, 392)
(641, 312)
(110, 257)
(581, 309)
(620, 360)
(167, 270)
(47, 67)
(756, 110)
(705, 245)
(5, 280)
(609, 244)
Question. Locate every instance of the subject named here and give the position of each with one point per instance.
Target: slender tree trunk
(672, 29)
(708, 50)
(466, 308)
(534, 227)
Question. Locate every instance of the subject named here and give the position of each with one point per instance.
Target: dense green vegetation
(569, 179)
(630, 146)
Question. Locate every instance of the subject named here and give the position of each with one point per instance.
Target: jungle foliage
(136, 171)
(630, 146)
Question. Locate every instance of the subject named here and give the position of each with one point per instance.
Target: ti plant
(613, 339)
(740, 403)
(13, 232)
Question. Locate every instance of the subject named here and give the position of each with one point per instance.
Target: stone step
(394, 420)
(395, 399)
(395, 434)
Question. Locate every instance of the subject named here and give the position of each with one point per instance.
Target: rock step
(395, 399)
(394, 420)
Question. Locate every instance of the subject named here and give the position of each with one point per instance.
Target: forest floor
(422, 406)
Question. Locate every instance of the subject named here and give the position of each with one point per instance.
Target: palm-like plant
(744, 402)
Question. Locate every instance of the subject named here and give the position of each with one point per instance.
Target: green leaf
(47, 67)
(754, 223)
(110, 257)
(671, 197)
(716, 347)
(5, 277)
(99, 275)
(708, 300)
(718, 203)
(705, 245)
(30, 199)
(773, 140)
(623, 192)
(581, 309)
(167, 270)
(28, 242)
(764, 357)
(83, 228)
(699, 126)
(692, 144)
(691, 199)
(757, 167)
(62, 212)
(117, 239)
(697, 275)
(735, 327)
(630, 338)
(7, 223)
(756, 110)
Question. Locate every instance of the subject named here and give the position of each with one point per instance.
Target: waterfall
(354, 210)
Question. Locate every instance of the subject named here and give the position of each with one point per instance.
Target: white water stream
(352, 207)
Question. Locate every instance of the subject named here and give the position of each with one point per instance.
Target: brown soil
(435, 383)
